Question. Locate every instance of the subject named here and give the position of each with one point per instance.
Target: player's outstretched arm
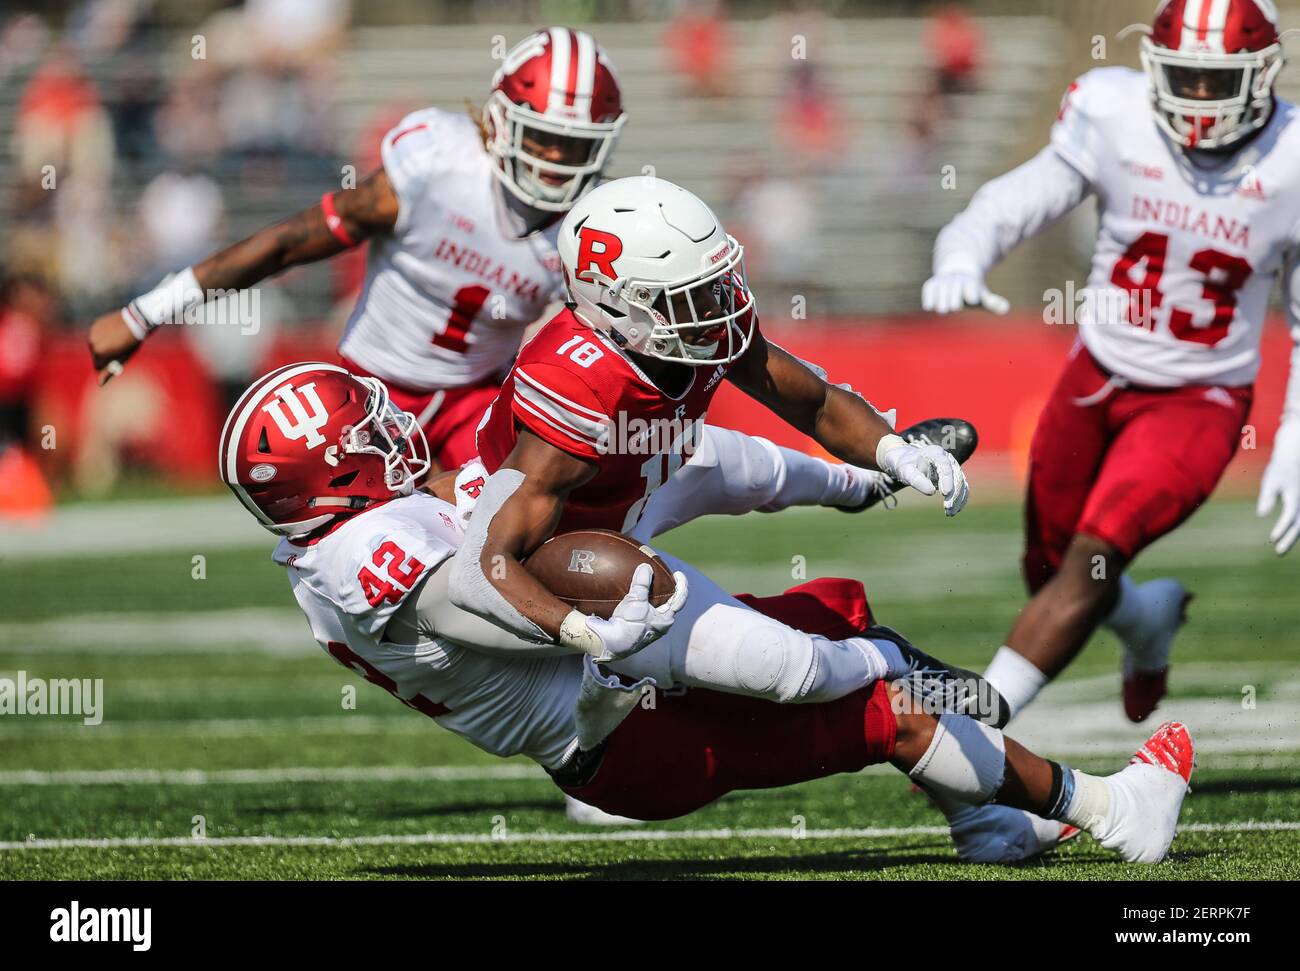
(1002, 214)
(340, 220)
(844, 424)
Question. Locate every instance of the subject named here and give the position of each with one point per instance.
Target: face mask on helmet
(706, 319)
(390, 433)
(1207, 100)
(547, 163)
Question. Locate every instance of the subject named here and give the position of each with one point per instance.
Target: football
(591, 569)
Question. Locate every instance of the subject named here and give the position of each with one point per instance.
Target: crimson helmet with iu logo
(557, 90)
(1212, 65)
(309, 443)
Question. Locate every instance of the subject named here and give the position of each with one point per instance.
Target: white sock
(1127, 610)
(895, 665)
(812, 481)
(845, 666)
(1015, 678)
(1085, 800)
(847, 485)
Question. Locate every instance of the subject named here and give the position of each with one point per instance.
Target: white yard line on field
(615, 836)
(511, 772)
(278, 631)
(201, 777)
(192, 525)
(348, 723)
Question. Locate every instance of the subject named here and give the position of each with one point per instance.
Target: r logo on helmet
(597, 249)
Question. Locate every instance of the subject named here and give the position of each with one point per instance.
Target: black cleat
(956, 436)
(937, 687)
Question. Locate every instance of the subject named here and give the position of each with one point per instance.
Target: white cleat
(580, 812)
(1146, 796)
(1147, 645)
(1001, 834)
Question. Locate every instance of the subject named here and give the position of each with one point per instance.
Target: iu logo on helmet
(304, 425)
(599, 250)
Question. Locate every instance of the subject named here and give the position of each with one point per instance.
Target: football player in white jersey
(1192, 164)
(324, 460)
(461, 218)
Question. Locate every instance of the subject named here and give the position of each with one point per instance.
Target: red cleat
(1170, 748)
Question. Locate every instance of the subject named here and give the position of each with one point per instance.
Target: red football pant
(449, 416)
(693, 747)
(1125, 469)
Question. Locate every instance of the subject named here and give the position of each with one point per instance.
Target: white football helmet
(650, 264)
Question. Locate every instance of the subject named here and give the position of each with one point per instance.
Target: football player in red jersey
(606, 404)
(1192, 165)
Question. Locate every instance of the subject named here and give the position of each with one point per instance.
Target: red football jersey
(573, 387)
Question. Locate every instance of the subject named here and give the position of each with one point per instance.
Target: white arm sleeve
(1007, 211)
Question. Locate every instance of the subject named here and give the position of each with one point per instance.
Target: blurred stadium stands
(140, 134)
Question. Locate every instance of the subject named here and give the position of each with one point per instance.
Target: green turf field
(221, 716)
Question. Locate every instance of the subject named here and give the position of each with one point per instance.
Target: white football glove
(945, 293)
(924, 467)
(635, 623)
(1282, 481)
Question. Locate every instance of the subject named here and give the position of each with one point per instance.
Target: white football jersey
(449, 292)
(1185, 257)
(350, 583)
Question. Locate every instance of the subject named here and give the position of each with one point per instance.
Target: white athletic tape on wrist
(966, 760)
(575, 633)
(884, 446)
(164, 304)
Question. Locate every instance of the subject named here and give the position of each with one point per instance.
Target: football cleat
(941, 687)
(1146, 796)
(1001, 834)
(580, 812)
(1147, 647)
(956, 436)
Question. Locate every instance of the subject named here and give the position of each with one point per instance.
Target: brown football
(591, 569)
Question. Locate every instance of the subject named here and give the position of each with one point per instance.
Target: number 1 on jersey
(464, 308)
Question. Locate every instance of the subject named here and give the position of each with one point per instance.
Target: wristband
(164, 304)
(574, 633)
(885, 445)
(334, 222)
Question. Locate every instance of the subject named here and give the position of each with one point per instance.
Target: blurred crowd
(138, 146)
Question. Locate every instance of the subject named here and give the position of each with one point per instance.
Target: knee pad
(966, 760)
(776, 663)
